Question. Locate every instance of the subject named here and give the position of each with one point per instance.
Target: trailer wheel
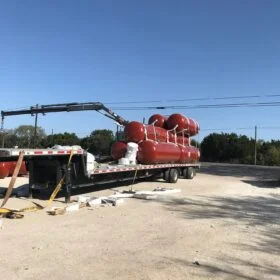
(174, 175)
(189, 173)
(166, 175)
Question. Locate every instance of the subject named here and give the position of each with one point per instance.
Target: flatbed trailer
(48, 166)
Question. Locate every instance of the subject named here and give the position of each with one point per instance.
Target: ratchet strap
(59, 185)
(13, 179)
(17, 213)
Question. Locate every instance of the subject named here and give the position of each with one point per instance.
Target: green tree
(210, 147)
(272, 156)
(10, 139)
(194, 143)
(25, 135)
(227, 147)
(64, 139)
(99, 142)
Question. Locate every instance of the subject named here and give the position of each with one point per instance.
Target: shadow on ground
(44, 194)
(266, 184)
(253, 210)
(257, 217)
(19, 191)
(230, 270)
(241, 170)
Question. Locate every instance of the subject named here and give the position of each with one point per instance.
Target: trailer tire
(173, 175)
(166, 175)
(189, 173)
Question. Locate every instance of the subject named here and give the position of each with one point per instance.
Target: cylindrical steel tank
(189, 126)
(118, 150)
(7, 168)
(22, 170)
(189, 154)
(158, 120)
(151, 152)
(183, 140)
(195, 154)
(136, 132)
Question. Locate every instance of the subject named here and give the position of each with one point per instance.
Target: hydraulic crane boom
(63, 107)
(67, 107)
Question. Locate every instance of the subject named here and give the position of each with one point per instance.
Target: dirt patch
(220, 227)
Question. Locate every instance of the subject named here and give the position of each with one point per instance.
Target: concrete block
(83, 199)
(146, 196)
(94, 202)
(56, 211)
(72, 208)
(166, 190)
(114, 201)
(121, 195)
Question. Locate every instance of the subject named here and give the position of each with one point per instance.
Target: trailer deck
(10, 153)
(111, 168)
(48, 166)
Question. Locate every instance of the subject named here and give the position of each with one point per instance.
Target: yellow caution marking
(4, 210)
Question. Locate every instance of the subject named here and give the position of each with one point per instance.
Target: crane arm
(67, 107)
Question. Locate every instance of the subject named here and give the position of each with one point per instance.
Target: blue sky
(118, 51)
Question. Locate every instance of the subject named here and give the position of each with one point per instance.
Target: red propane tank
(7, 169)
(183, 123)
(118, 149)
(158, 120)
(22, 170)
(189, 154)
(136, 132)
(151, 152)
(195, 154)
(183, 140)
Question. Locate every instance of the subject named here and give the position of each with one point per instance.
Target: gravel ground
(224, 225)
